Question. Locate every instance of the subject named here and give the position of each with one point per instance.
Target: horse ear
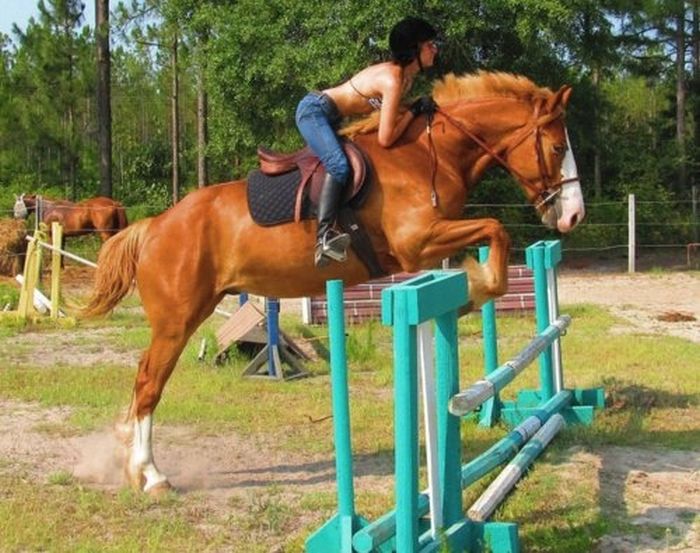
(566, 95)
(559, 98)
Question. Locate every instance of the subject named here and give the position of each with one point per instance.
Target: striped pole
(368, 539)
(506, 480)
(469, 399)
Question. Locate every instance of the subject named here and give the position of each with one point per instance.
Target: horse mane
(473, 86)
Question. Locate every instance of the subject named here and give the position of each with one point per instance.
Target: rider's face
(428, 51)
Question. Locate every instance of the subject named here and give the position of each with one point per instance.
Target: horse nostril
(574, 220)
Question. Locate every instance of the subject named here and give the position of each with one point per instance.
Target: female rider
(377, 87)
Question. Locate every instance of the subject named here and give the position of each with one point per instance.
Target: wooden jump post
(414, 309)
(31, 297)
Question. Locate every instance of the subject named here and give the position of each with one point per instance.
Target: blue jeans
(317, 118)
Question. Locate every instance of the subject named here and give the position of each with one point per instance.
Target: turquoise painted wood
(427, 296)
(405, 421)
(378, 532)
(449, 441)
(535, 258)
(437, 296)
(490, 411)
(337, 533)
(404, 307)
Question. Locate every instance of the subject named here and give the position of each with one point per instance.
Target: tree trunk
(597, 178)
(202, 131)
(104, 108)
(694, 90)
(680, 100)
(696, 39)
(72, 156)
(175, 124)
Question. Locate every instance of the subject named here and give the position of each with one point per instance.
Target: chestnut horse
(102, 215)
(185, 260)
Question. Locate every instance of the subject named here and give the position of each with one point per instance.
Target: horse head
(543, 162)
(20, 209)
(521, 126)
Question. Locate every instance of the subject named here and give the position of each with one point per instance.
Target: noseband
(552, 187)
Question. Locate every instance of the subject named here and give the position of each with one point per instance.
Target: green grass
(64, 516)
(653, 397)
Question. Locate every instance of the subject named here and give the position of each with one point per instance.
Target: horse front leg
(486, 281)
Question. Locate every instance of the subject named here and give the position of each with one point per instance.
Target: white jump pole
(553, 299)
(427, 371)
(64, 253)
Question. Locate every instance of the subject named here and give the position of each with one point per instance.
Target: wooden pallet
(363, 302)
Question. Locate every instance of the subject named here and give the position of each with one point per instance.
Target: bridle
(552, 186)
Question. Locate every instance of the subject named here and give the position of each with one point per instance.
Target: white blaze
(568, 209)
(571, 210)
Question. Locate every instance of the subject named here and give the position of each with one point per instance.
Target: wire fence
(608, 225)
(671, 227)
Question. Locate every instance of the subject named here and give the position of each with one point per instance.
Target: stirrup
(332, 247)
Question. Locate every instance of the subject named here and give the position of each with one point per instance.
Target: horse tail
(116, 269)
(121, 217)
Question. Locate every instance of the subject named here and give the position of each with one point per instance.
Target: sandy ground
(667, 303)
(658, 488)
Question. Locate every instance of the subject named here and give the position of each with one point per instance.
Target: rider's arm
(391, 123)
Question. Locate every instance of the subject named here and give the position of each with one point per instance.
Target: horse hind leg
(169, 334)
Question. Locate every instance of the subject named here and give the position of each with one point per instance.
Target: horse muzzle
(566, 212)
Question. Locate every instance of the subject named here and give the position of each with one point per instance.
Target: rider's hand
(424, 104)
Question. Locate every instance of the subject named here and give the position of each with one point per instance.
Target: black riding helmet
(405, 37)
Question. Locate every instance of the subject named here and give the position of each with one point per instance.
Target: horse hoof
(160, 490)
(135, 481)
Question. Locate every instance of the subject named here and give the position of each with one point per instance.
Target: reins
(552, 189)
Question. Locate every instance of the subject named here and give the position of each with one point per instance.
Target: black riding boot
(331, 245)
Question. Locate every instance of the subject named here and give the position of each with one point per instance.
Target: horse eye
(560, 149)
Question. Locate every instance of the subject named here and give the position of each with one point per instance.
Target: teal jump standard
(536, 415)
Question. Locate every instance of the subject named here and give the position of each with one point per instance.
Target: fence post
(631, 235)
(694, 198)
(32, 267)
(57, 239)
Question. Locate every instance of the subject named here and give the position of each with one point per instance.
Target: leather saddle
(312, 173)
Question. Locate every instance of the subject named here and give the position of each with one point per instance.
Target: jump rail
(412, 309)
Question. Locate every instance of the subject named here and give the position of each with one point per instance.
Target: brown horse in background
(185, 260)
(102, 215)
